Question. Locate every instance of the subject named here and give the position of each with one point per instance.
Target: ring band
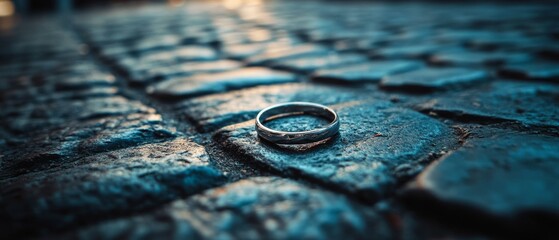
(297, 108)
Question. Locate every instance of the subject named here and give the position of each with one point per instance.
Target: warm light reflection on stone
(249, 10)
(259, 35)
(254, 2)
(232, 4)
(6, 8)
(6, 24)
(175, 3)
(236, 4)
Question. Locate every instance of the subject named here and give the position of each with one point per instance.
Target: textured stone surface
(188, 53)
(28, 117)
(185, 69)
(62, 145)
(156, 42)
(67, 82)
(501, 174)
(241, 51)
(22, 97)
(246, 50)
(312, 63)
(532, 71)
(407, 51)
(77, 82)
(526, 104)
(102, 185)
(282, 53)
(212, 112)
(468, 36)
(84, 154)
(368, 72)
(378, 145)
(139, 65)
(434, 79)
(219, 82)
(503, 41)
(469, 58)
(257, 208)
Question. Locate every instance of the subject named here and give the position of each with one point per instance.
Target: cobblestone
(243, 51)
(251, 209)
(186, 69)
(215, 111)
(499, 174)
(407, 51)
(469, 58)
(36, 116)
(367, 72)
(367, 158)
(500, 101)
(282, 53)
(137, 122)
(431, 79)
(546, 71)
(80, 82)
(25, 96)
(219, 82)
(64, 144)
(156, 42)
(312, 63)
(188, 53)
(97, 186)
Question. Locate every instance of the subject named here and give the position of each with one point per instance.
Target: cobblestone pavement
(137, 122)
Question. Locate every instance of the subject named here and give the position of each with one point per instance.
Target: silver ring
(297, 108)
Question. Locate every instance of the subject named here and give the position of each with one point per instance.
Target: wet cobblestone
(374, 151)
(251, 209)
(137, 122)
(486, 175)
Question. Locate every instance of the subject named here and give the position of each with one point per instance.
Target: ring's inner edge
(291, 110)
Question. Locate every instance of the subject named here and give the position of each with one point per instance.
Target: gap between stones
(489, 121)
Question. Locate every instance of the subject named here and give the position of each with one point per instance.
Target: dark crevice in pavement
(465, 118)
(460, 133)
(528, 225)
(419, 90)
